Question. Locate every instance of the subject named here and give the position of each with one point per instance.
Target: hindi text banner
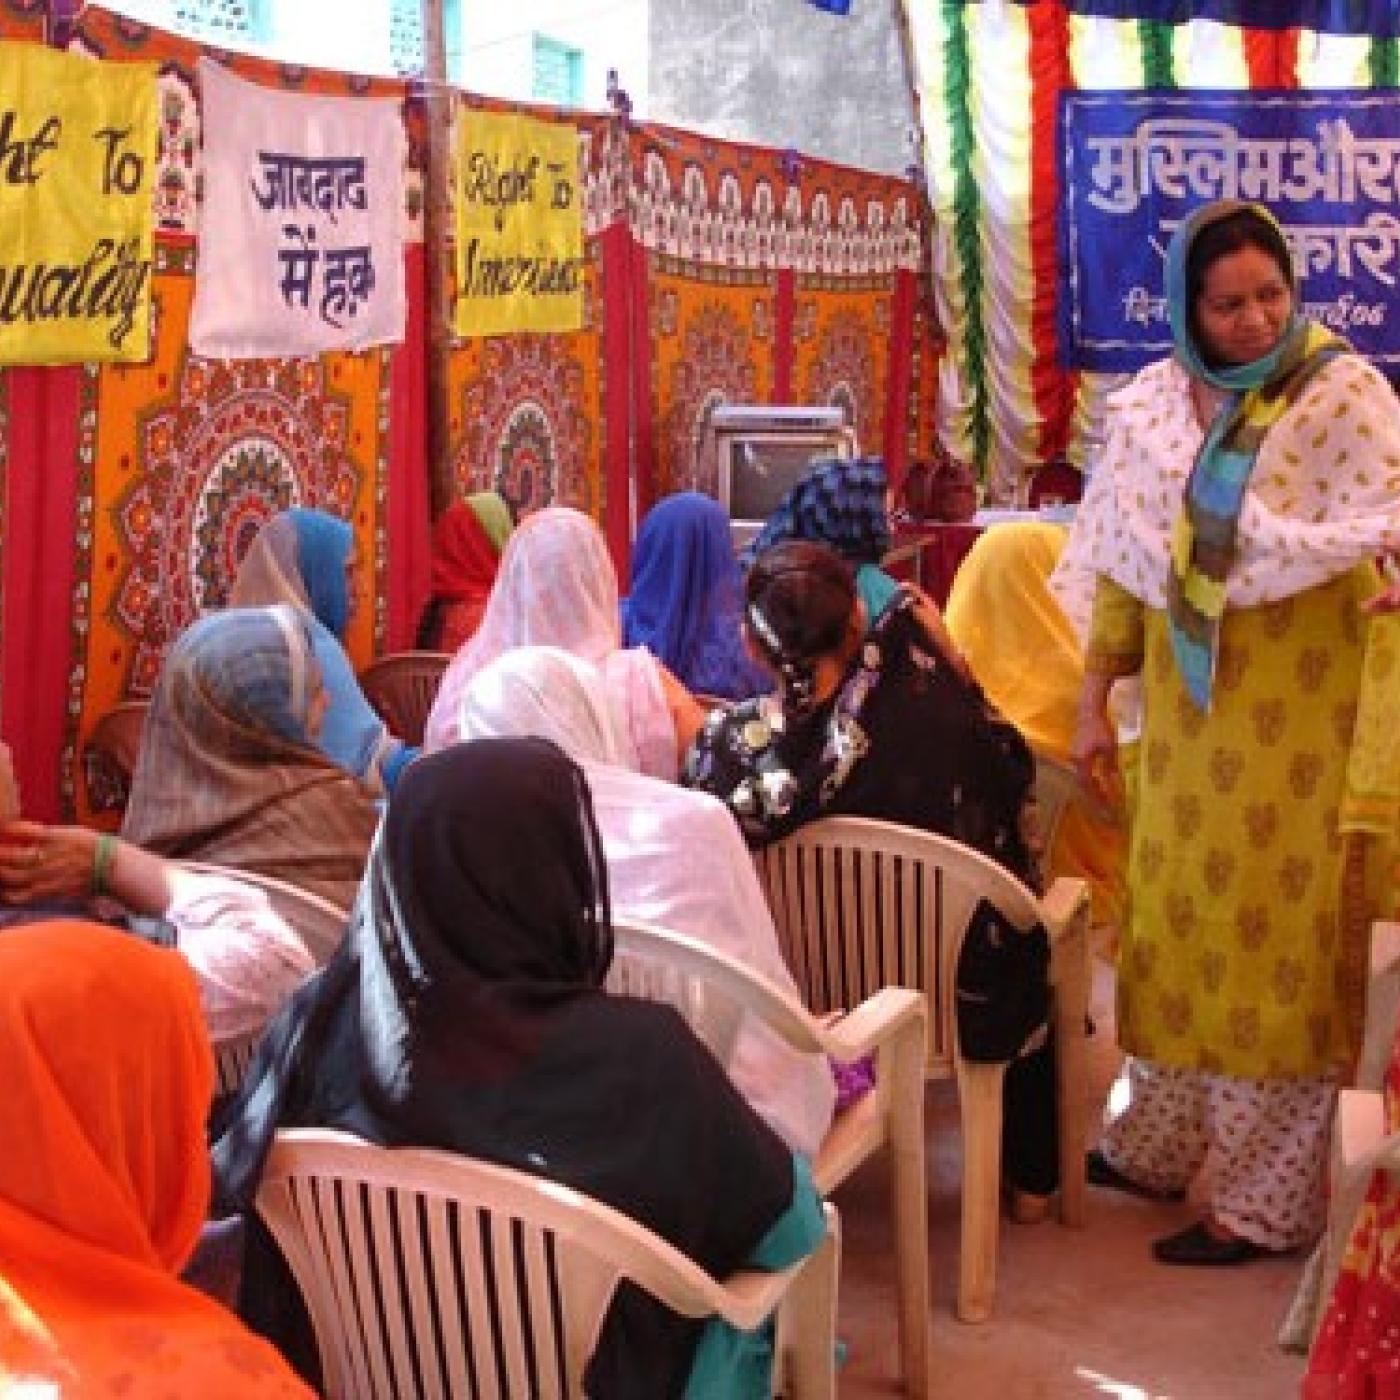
(1134, 164)
(300, 244)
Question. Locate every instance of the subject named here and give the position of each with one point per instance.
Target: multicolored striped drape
(988, 76)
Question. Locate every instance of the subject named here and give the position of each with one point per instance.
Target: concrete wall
(493, 50)
(784, 73)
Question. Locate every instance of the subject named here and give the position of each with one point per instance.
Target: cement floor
(1079, 1314)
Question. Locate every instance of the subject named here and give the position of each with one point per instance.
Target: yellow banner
(519, 226)
(77, 152)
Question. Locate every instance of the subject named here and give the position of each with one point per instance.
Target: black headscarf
(465, 1012)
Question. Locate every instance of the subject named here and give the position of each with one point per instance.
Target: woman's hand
(1094, 751)
(45, 862)
(1388, 599)
(929, 617)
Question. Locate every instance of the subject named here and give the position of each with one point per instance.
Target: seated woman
(467, 542)
(247, 959)
(878, 724)
(842, 503)
(1026, 656)
(684, 603)
(306, 558)
(674, 859)
(229, 770)
(557, 587)
(104, 1177)
(466, 1012)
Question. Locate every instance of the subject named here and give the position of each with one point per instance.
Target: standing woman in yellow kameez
(1247, 486)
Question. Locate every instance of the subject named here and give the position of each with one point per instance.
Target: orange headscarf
(104, 1177)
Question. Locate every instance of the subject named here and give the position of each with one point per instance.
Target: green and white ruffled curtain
(988, 75)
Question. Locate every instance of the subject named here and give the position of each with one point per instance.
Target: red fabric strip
(1271, 55)
(619, 391)
(39, 564)
(1052, 388)
(898, 405)
(408, 508)
(1286, 59)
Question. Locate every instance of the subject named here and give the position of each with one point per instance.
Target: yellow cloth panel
(77, 141)
(1240, 928)
(519, 225)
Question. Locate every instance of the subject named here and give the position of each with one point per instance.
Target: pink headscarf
(557, 587)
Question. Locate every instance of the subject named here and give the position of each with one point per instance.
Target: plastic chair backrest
(110, 753)
(862, 904)
(402, 687)
(428, 1274)
(713, 992)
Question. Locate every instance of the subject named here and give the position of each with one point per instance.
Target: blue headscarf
(324, 543)
(248, 668)
(299, 557)
(839, 503)
(684, 605)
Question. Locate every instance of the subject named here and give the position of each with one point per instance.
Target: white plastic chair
(232, 1060)
(714, 992)
(862, 904)
(424, 1271)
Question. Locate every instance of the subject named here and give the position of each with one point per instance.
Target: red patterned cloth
(1357, 1352)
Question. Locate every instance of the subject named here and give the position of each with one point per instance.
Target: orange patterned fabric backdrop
(714, 271)
(169, 468)
(768, 277)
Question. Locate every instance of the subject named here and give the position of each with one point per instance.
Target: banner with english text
(77, 146)
(519, 225)
(1134, 164)
(300, 244)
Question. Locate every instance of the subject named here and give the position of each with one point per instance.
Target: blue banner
(1134, 164)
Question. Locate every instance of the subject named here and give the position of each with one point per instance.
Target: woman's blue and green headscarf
(1203, 540)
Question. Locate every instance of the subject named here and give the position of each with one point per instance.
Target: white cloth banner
(300, 244)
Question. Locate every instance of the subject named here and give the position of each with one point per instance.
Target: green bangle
(104, 854)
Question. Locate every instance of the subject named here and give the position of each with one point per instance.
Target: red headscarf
(465, 558)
